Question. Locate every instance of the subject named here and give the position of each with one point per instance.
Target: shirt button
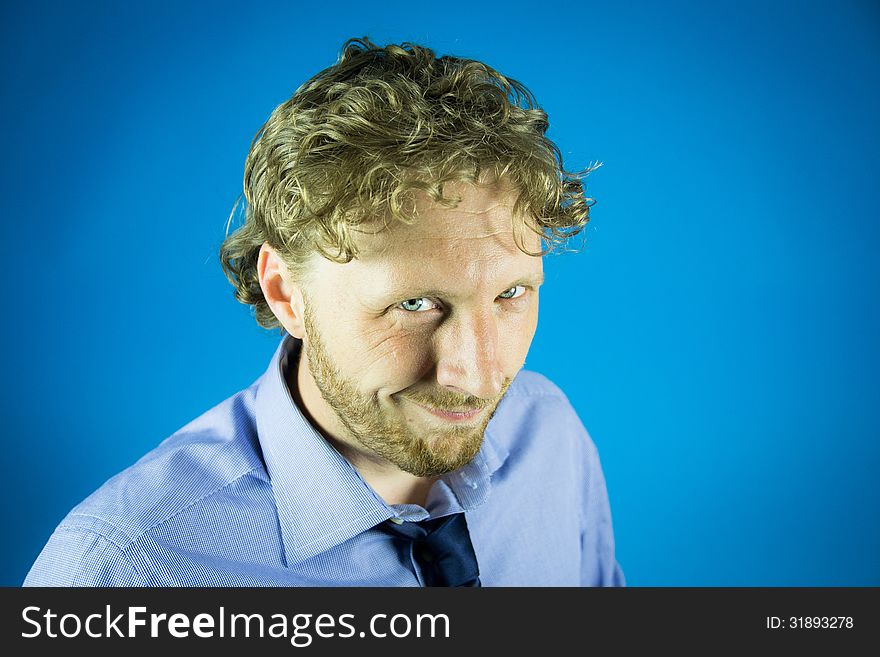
(396, 521)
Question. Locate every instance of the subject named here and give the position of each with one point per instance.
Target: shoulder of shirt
(533, 415)
(193, 466)
(534, 404)
(533, 384)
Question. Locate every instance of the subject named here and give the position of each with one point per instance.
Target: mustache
(446, 400)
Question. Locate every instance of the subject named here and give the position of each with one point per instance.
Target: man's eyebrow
(411, 292)
(532, 280)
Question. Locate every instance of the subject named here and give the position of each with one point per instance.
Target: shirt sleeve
(77, 556)
(599, 566)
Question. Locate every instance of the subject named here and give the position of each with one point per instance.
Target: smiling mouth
(454, 416)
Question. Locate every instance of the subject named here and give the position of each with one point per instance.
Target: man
(398, 206)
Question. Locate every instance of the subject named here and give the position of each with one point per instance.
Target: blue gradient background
(718, 334)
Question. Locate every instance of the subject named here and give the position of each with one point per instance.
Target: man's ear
(282, 294)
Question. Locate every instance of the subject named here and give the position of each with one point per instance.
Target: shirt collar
(321, 498)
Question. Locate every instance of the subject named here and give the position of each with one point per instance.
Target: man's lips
(453, 416)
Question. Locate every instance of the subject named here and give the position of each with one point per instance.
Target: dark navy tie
(442, 547)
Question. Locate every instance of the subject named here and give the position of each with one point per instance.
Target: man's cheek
(392, 350)
(515, 343)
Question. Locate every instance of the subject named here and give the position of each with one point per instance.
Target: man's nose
(467, 355)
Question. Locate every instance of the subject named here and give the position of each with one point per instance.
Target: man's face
(413, 343)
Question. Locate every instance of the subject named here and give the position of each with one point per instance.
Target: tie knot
(442, 547)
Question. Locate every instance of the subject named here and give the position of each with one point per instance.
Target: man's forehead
(445, 264)
(484, 214)
(435, 237)
(473, 245)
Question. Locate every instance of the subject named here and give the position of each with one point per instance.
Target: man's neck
(391, 483)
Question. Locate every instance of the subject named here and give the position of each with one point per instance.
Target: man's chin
(442, 453)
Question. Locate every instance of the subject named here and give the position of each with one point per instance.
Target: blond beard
(434, 452)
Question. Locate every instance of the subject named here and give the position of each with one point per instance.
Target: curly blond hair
(357, 140)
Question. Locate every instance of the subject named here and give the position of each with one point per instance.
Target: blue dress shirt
(250, 494)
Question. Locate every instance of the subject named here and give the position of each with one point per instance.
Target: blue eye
(513, 292)
(416, 305)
